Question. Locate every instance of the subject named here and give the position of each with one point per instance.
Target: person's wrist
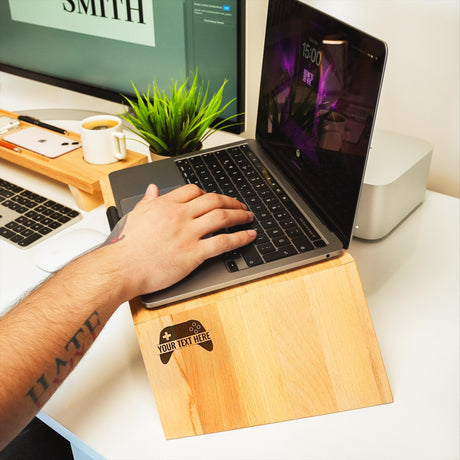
(111, 266)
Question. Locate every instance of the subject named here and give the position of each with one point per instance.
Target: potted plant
(180, 122)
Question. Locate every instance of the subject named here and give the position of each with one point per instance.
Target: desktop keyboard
(282, 230)
(27, 218)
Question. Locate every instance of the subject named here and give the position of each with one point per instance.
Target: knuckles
(220, 216)
(229, 217)
(193, 190)
(216, 200)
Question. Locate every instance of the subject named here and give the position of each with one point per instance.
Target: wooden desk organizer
(82, 178)
(288, 346)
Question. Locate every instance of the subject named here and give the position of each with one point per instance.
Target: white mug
(102, 139)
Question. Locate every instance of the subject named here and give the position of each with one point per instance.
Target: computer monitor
(98, 47)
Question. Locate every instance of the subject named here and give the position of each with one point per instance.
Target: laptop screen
(319, 90)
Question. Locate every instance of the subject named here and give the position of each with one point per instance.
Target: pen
(37, 122)
(9, 145)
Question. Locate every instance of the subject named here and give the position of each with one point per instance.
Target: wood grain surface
(289, 346)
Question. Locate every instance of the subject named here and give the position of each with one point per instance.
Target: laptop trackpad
(127, 204)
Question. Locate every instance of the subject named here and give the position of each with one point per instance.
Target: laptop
(302, 174)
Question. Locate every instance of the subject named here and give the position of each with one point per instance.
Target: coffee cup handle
(121, 145)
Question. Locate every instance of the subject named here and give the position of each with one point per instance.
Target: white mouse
(60, 250)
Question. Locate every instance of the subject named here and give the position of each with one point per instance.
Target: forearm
(157, 244)
(43, 337)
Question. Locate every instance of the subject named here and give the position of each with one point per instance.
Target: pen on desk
(9, 145)
(37, 122)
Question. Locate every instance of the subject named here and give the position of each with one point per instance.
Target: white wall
(420, 95)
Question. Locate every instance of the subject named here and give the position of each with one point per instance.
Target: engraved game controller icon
(182, 335)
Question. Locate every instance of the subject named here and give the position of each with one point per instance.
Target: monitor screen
(99, 47)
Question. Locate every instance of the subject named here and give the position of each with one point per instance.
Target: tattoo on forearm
(117, 233)
(63, 367)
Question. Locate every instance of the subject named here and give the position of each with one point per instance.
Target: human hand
(162, 239)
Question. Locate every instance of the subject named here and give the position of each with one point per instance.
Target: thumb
(152, 192)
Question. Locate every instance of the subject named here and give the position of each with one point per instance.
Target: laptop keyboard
(26, 218)
(282, 231)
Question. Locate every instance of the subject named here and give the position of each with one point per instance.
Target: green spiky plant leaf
(179, 122)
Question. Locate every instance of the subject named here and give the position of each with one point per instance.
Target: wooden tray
(82, 178)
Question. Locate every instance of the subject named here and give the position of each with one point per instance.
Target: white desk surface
(411, 281)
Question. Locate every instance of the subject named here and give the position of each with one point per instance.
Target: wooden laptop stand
(287, 346)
